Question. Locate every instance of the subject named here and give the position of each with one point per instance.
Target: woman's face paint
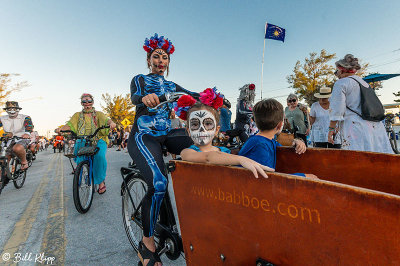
(202, 127)
(158, 61)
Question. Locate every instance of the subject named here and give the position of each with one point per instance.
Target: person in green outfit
(85, 123)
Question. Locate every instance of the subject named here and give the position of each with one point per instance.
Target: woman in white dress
(356, 133)
(319, 120)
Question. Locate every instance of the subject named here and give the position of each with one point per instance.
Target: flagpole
(262, 64)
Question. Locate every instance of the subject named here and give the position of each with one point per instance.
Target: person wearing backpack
(357, 111)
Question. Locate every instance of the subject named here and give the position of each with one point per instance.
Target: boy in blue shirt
(269, 118)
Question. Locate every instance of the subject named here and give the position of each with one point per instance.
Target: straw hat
(324, 92)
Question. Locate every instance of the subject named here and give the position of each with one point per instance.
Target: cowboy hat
(324, 92)
(12, 104)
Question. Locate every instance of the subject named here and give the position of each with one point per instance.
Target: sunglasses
(292, 101)
(86, 101)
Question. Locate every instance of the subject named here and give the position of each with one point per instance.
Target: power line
(386, 63)
(385, 53)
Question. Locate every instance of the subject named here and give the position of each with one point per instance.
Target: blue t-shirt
(225, 119)
(262, 150)
(223, 149)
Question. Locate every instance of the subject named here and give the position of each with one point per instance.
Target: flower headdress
(156, 42)
(210, 97)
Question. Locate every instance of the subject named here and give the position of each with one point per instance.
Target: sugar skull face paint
(158, 61)
(202, 127)
(12, 112)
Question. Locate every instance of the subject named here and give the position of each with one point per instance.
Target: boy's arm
(221, 158)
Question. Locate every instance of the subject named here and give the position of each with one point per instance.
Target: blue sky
(65, 48)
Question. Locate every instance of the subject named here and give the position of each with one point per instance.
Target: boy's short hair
(267, 114)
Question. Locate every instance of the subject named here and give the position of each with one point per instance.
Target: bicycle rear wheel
(83, 187)
(133, 225)
(29, 157)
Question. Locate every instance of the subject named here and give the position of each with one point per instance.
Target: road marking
(54, 240)
(23, 227)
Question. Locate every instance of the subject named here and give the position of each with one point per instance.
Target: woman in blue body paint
(151, 130)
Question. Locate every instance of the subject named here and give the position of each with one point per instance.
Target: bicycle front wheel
(83, 187)
(18, 175)
(133, 224)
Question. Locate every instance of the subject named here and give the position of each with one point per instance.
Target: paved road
(40, 218)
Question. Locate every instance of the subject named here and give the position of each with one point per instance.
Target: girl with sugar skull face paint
(202, 127)
(203, 119)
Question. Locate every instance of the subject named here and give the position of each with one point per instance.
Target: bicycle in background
(10, 168)
(83, 183)
(389, 121)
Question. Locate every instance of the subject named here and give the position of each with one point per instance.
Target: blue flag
(275, 33)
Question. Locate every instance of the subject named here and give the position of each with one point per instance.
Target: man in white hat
(19, 125)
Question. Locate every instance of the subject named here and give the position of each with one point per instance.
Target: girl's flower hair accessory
(184, 103)
(156, 42)
(210, 97)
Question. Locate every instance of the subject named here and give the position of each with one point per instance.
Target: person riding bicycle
(34, 141)
(85, 123)
(42, 143)
(151, 130)
(19, 125)
(58, 141)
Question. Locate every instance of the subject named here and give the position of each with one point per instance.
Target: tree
(397, 94)
(307, 78)
(7, 86)
(118, 107)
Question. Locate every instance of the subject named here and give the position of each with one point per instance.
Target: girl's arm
(222, 158)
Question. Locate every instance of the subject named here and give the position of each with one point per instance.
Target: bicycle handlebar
(169, 98)
(97, 130)
(69, 131)
(85, 136)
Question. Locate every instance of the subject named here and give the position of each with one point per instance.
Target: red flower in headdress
(186, 100)
(147, 49)
(165, 46)
(218, 102)
(153, 44)
(183, 105)
(211, 98)
(207, 96)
